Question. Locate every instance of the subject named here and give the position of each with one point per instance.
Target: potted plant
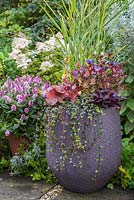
(20, 106)
(82, 125)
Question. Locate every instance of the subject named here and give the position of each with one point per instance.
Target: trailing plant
(76, 104)
(74, 118)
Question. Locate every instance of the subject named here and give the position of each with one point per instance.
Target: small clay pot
(18, 144)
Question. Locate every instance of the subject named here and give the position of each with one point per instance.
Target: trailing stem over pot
(75, 106)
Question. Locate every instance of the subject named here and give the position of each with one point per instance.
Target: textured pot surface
(87, 171)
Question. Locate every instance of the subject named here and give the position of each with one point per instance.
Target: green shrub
(125, 39)
(127, 169)
(33, 162)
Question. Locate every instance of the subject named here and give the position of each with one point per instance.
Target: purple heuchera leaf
(114, 94)
(74, 72)
(91, 61)
(110, 62)
(97, 68)
(81, 71)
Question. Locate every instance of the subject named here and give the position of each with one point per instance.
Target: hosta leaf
(130, 103)
(130, 79)
(125, 93)
(130, 116)
(123, 108)
(129, 127)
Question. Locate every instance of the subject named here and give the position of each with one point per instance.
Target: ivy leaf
(130, 104)
(129, 127)
(123, 108)
(130, 116)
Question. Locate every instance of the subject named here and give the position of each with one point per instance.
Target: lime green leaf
(110, 186)
(130, 116)
(130, 104)
(129, 127)
(123, 108)
(2, 56)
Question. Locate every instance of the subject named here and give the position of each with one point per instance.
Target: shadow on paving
(23, 188)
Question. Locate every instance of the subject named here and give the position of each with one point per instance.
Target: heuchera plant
(100, 80)
(21, 105)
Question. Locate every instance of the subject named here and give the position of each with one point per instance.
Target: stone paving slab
(21, 188)
(104, 194)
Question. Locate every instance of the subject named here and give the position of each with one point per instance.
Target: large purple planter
(90, 169)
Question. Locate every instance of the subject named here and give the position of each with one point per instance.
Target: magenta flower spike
(26, 110)
(23, 117)
(13, 108)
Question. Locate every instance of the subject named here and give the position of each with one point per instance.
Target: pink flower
(35, 90)
(44, 89)
(30, 103)
(23, 117)
(26, 110)
(7, 133)
(7, 99)
(13, 108)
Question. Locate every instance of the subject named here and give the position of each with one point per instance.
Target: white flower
(59, 35)
(51, 44)
(20, 43)
(40, 46)
(22, 61)
(46, 64)
(14, 54)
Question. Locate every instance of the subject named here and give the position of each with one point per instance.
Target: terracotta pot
(18, 144)
(100, 160)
